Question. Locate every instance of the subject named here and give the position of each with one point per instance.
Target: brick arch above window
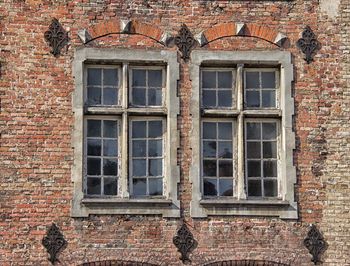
(246, 263)
(117, 263)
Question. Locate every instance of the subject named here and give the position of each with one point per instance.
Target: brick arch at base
(245, 263)
(117, 263)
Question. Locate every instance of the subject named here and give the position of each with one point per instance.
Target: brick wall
(36, 124)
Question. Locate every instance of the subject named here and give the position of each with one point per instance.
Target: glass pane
(138, 78)
(224, 98)
(155, 97)
(139, 186)
(110, 129)
(225, 149)
(155, 186)
(225, 79)
(208, 79)
(254, 168)
(209, 149)
(270, 169)
(94, 147)
(270, 188)
(110, 77)
(155, 78)
(139, 148)
(94, 76)
(252, 80)
(155, 129)
(209, 167)
(254, 188)
(155, 148)
(252, 98)
(225, 168)
(139, 96)
(209, 98)
(155, 167)
(268, 98)
(210, 187)
(253, 131)
(253, 150)
(226, 187)
(139, 129)
(225, 131)
(110, 96)
(110, 186)
(94, 96)
(269, 131)
(94, 128)
(94, 166)
(93, 186)
(209, 130)
(110, 148)
(270, 149)
(139, 167)
(268, 80)
(110, 167)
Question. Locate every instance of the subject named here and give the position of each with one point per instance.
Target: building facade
(174, 132)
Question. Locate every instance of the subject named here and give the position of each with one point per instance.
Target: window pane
(225, 168)
(208, 79)
(110, 167)
(94, 128)
(139, 96)
(209, 98)
(139, 167)
(155, 129)
(210, 187)
(270, 149)
(110, 77)
(155, 97)
(138, 77)
(139, 129)
(268, 79)
(139, 186)
(110, 129)
(254, 188)
(225, 79)
(253, 131)
(155, 186)
(226, 187)
(155, 167)
(209, 167)
(270, 188)
(94, 76)
(252, 99)
(93, 186)
(94, 166)
(155, 148)
(110, 148)
(209, 130)
(270, 169)
(225, 131)
(155, 78)
(269, 131)
(110, 96)
(209, 149)
(94, 147)
(224, 98)
(110, 186)
(225, 149)
(94, 96)
(253, 150)
(254, 168)
(268, 98)
(139, 148)
(252, 80)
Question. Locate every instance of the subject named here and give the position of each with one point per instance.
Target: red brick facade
(37, 119)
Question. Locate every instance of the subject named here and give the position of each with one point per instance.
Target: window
(242, 139)
(125, 135)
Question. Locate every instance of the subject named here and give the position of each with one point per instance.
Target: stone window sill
(233, 202)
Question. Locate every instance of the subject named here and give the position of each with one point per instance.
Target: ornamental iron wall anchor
(308, 44)
(184, 242)
(54, 242)
(315, 243)
(56, 36)
(185, 42)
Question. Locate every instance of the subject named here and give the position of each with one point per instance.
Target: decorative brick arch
(117, 263)
(241, 29)
(246, 263)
